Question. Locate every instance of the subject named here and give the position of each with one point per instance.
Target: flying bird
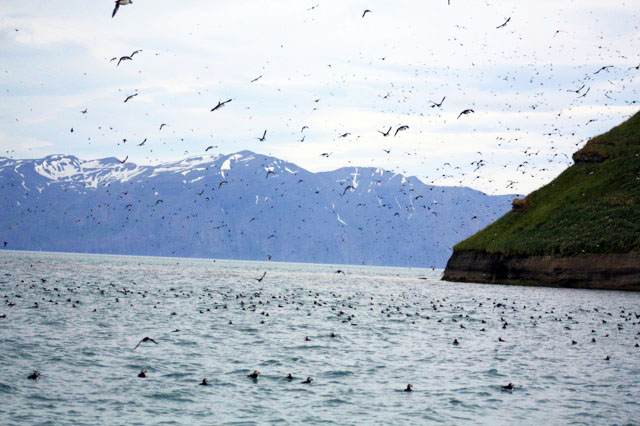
(162, 125)
(118, 4)
(125, 160)
(124, 58)
(256, 79)
(264, 137)
(145, 340)
(208, 148)
(505, 23)
(143, 142)
(130, 97)
(222, 183)
(465, 112)
(365, 12)
(84, 112)
(326, 154)
(603, 69)
(436, 104)
(400, 129)
(220, 104)
(348, 188)
(577, 90)
(261, 278)
(385, 134)
(344, 135)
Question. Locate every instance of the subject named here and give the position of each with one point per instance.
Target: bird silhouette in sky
(220, 104)
(505, 23)
(118, 4)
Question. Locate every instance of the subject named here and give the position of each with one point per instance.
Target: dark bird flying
(348, 188)
(603, 69)
(145, 340)
(436, 104)
(118, 4)
(220, 104)
(505, 23)
(465, 112)
(400, 129)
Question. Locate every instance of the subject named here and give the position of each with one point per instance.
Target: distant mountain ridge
(237, 206)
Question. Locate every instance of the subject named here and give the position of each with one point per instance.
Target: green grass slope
(592, 207)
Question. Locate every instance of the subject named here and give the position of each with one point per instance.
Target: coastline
(610, 271)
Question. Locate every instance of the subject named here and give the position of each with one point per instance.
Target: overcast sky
(322, 65)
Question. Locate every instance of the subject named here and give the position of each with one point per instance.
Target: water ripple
(370, 333)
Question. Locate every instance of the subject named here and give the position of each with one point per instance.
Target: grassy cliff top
(592, 207)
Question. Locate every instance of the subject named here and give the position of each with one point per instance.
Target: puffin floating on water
(508, 387)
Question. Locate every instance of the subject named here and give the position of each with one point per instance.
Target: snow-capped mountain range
(237, 206)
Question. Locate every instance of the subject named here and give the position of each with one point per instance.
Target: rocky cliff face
(613, 271)
(580, 230)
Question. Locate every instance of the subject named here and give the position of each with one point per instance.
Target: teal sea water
(392, 326)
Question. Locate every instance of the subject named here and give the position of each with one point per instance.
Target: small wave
(493, 373)
(337, 373)
(4, 388)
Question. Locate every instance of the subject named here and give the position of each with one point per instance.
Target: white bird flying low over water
(118, 4)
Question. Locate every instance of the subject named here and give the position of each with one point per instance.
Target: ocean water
(391, 326)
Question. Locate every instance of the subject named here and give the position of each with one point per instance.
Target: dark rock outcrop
(611, 271)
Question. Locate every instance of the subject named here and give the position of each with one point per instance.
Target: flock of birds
(464, 112)
(260, 303)
(471, 171)
(463, 172)
(343, 310)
